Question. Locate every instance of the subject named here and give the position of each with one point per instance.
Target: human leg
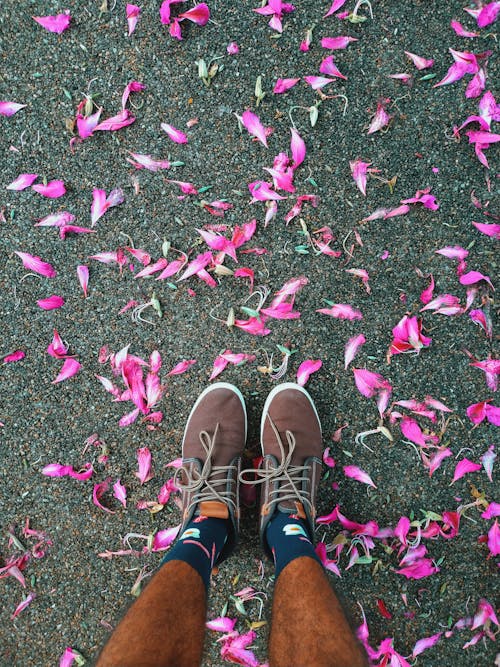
(309, 627)
(165, 626)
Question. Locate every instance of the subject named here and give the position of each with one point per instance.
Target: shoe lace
(288, 478)
(206, 483)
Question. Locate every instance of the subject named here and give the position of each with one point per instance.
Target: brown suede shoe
(213, 442)
(292, 448)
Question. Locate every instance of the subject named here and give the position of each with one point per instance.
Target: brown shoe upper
(213, 442)
(292, 449)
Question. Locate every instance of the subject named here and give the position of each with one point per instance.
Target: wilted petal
(98, 491)
(182, 367)
(34, 263)
(69, 656)
(341, 311)
(222, 624)
(317, 82)
(305, 369)
(368, 382)
(381, 117)
(22, 605)
(69, 368)
(425, 643)
(419, 62)
(461, 31)
(473, 277)
(282, 85)
(494, 539)
(359, 170)
(144, 461)
(121, 120)
(22, 182)
(56, 470)
(13, 357)
(492, 230)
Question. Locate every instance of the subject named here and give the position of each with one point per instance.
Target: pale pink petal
(10, 108)
(182, 367)
(232, 48)
(305, 369)
(352, 347)
(199, 14)
(463, 467)
(327, 459)
(132, 87)
(174, 134)
(51, 302)
(453, 252)
(329, 68)
(489, 457)
(132, 12)
(141, 161)
(144, 460)
(359, 475)
(381, 117)
(57, 24)
(282, 85)
(22, 182)
(359, 171)
(86, 125)
(82, 272)
(222, 624)
(419, 62)
(69, 368)
(252, 124)
(341, 311)
(22, 605)
(34, 263)
(13, 357)
(317, 82)
(120, 492)
(129, 418)
(425, 643)
(53, 189)
(56, 470)
(367, 382)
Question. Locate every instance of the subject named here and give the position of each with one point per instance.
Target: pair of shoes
(212, 448)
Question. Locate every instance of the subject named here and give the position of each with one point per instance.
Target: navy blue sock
(200, 544)
(288, 539)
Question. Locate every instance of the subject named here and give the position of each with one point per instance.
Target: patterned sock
(288, 538)
(200, 544)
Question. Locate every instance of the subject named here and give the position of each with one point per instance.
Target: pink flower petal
(359, 475)
(335, 6)
(53, 189)
(425, 643)
(461, 31)
(51, 302)
(164, 538)
(352, 347)
(419, 62)
(121, 120)
(22, 605)
(317, 82)
(57, 24)
(473, 277)
(199, 14)
(132, 12)
(98, 491)
(254, 127)
(120, 492)
(298, 148)
(368, 382)
(10, 108)
(174, 134)
(494, 539)
(488, 14)
(82, 272)
(232, 48)
(463, 467)
(69, 656)
(305, 369)
(342, 311)
(22, 182)
(69, 368)
(222, 624)
(381, 117)
(329, 68)
(282, 85)
(34, 263)
(492, 230)
(144, 460)
(182, 367)
(13, 357)
(341, 42)
(359, 171)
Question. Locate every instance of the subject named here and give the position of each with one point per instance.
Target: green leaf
(67, 94)
(301, 249)
(249, 311)
(427, 77)
(364, 560)
(205, 188)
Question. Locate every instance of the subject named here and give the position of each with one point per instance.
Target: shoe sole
(207, 390)
(274, 392)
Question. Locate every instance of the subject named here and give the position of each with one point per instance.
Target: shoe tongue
(293, 507)
(214, 509)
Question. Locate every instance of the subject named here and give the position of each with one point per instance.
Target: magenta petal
(164, 538)
(22, 182)
(474, 277)
(144, 461)
(174, 134)
(305, 370)
(222, 624)
(51, 302)
(132, 13)
(121, 120)
(352, 347)
(68, 657)
(98, 491)
(13, 357)
(53, 189)
(57, 24)
(488, 14)
(282, 85)
(335, 6)
(82, 272)
(494, 539)
(34, 263)
(56, 470)
(182, 367)
(463, 467)
(120, 492)
(69, 368)
(425, 643)
(22, 605)
(199, 14)
(298, 148)
(252, 124)
(359, 475)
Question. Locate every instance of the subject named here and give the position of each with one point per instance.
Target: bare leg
(309, 628)
(165, 626)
